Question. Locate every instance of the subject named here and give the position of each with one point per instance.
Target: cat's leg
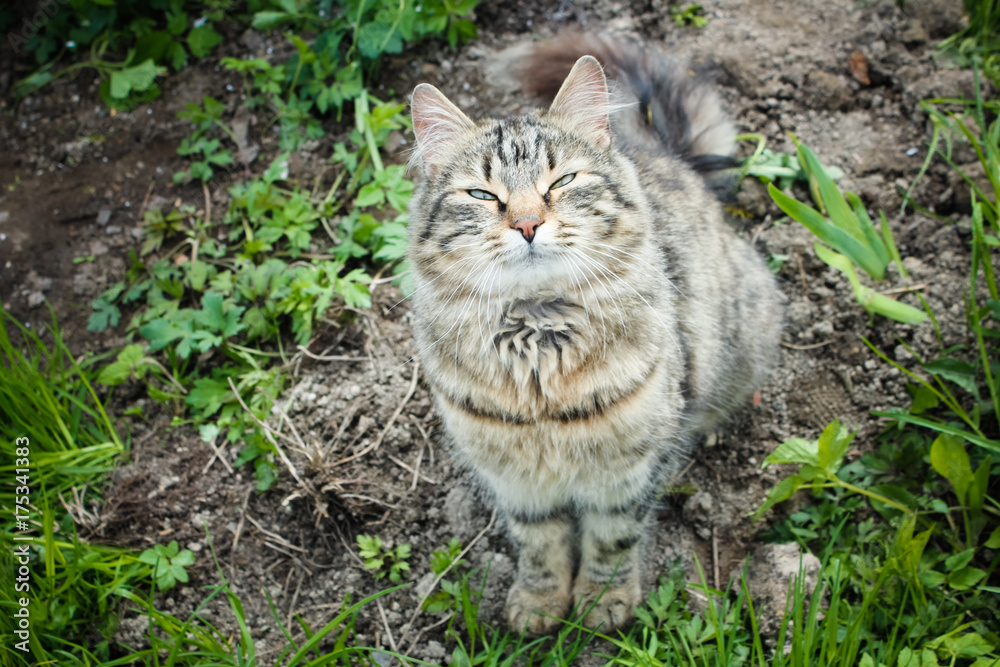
(540, 595)
(610, 546)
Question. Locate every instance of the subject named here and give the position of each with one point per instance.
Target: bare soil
(77, 178)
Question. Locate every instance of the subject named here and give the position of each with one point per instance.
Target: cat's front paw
(613, 609)
(536, 612)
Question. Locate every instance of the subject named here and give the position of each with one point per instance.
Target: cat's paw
(614, 608)
(536, 612)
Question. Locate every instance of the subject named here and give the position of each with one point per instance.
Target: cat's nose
(526, 225)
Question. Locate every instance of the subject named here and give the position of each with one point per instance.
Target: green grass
(57, 443)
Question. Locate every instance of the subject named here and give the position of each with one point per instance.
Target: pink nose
(527, 225)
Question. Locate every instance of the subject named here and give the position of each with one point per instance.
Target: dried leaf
(859, 68)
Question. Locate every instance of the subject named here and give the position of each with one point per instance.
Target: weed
(848, 230)
(979, 40)
(168, 564)
(384, 563)
(449, 597)
(688, 15)
(130, 43)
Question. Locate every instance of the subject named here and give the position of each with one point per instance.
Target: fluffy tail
(667, 104)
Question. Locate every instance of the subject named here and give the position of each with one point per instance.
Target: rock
(754, 198)
(434, 649)
(103, 216)
(939, 18)
(962, 191)
(946, 83)
(913, 35)
(459, 509)
(772, 568)
(698, 507)
(739, 73)
(500, 577)
(826, 91)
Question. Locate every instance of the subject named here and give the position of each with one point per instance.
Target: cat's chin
(526, 277)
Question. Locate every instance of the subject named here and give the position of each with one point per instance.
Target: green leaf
(139, 78)
(871, 300)
(794, 450)
(268, 20)
(833, 236)
(202, 40)
(932, 579)
(965, 578)
(924, 400)
(951, 461)
(370, 195)
(959, 372)
(960, 560)
(160, 333)
(782, 491)
(217, 318)
(895, 493)
(993, 541)
(832, 446)
(126, 364)
(208, 396)
(177, 22)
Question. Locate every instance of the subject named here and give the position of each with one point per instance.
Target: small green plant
(168, 563)
(128, 43)
(849, 231)
(979, 40)
(688, 15)
(782, 168)
(929, 560)
(383, 563)
(818, 461)
(449, 597)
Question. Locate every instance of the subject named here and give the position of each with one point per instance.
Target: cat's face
(523, 203)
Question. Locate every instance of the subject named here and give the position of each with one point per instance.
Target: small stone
(914, 35)
(113, 229)
(827, 91)
(103, 216)
(434, 650)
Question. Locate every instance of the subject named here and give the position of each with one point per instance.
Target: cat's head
(529, 201)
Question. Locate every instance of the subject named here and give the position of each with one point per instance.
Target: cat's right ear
(436, 123)
(584, 101)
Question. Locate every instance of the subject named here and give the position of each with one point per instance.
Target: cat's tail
(666, 103)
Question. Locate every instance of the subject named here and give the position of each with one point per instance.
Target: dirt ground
(76, 180)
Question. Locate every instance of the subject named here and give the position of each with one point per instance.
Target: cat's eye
(482, 194)
(563, 181)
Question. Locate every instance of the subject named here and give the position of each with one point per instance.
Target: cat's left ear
(583, 100)
(436, 123)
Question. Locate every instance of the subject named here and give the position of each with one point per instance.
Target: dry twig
(216, 454)
(411, 470)
(807, 347)
(319, 357)
(385, 624)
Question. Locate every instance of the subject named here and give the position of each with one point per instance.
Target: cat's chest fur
(548, 359)
(539, 342)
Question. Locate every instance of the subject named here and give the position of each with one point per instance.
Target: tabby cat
(581, 309)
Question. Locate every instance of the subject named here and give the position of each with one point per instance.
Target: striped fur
(582, 313)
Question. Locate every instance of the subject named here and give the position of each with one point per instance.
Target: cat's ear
(583, 100)
(436, 123)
